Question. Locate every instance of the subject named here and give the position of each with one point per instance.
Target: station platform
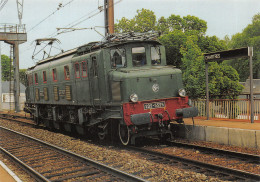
(224, 123)
(6, 175)
(236, 133)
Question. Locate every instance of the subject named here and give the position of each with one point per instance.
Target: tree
(6, 67)
(209, 44)
(223, 79)
(193, 68)
(174, 22)
(6, 63)
(162, 26)
(193, 23)
(249, 37)
(173, 42)
(22, 74)
(144, 21)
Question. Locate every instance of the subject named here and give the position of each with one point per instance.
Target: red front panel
(166, 107)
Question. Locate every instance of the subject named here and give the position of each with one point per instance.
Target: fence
(235, 109)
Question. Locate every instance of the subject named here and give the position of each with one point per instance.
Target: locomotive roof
(109, 41)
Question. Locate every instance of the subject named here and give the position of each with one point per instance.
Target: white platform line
(11, 173)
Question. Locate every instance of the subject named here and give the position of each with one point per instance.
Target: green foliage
(193, 23)
(223, 79)
(249, 37)
(5, 60)
(6, 63)
(162, 26)
(211, 44)
(193, 68)
(124, 25)
(173, 42)
(22, 76)
(174, 22)
(144, 21)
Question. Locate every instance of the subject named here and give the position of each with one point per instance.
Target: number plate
(154, 105)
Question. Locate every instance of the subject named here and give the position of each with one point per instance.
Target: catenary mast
(109, 16)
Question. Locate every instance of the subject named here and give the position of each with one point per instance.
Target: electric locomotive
(121, 86)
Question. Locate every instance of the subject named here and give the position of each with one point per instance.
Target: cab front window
(139, 56)
(156, 55)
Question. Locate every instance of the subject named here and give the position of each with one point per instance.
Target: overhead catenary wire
(60, 6)
(76, 22)
(81, 20)
(56, 32)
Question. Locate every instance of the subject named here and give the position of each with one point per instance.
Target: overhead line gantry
(15, 34)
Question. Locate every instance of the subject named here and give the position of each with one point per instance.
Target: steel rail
(241, 175)
(243, 156)
(37, 176)
(107, 169)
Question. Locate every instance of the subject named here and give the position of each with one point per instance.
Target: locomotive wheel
(124, 134)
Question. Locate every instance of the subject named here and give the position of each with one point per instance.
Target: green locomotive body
(121, 85)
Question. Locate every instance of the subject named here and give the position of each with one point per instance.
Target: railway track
(199, 167)
(249, 158)
(18, 118)
(220, 172)
(46, 162)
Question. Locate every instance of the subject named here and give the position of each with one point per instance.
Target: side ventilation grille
(56, 93)
(45, 92)
(68, 92)
(37, 94)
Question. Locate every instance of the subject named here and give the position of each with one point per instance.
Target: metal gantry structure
(15, 34)
(20, 10)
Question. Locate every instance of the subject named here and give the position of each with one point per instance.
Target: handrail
(12, 28)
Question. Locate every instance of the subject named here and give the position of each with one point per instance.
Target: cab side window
(118, 58)
(44, 77)
(54, 75)
(84, 68)
(36, 78)
(156, 55)
(77, 70)
(66, 72)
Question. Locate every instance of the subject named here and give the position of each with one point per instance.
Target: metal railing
(12, 28)
(235, 109)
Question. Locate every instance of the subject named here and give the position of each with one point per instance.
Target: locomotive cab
(150, 92)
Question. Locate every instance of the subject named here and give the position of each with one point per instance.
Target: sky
(42, 18)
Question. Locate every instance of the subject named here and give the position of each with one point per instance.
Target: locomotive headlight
(134, 97)
(182, 92)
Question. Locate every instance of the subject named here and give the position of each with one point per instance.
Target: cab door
(94, 79)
